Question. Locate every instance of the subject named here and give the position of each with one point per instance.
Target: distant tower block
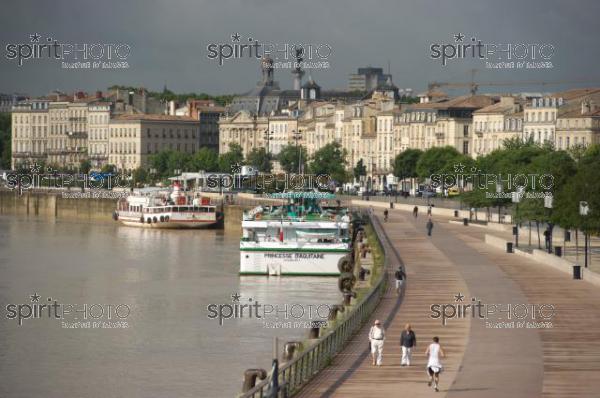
(297, 71)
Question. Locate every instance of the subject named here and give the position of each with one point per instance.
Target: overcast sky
(169, 40)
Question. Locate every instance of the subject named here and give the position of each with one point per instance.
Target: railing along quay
(298, 371)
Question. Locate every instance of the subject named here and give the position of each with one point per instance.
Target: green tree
(405, 163)
(289, 156)
(436, 160)
(330, 160)
(360, 169)
(260, 158)
(5, 140)
(205, 159)
(235, 156)
(140, 176)
(85, 166)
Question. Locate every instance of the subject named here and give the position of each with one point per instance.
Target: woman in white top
(434, 365)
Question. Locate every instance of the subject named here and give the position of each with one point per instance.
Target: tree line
(573, 180)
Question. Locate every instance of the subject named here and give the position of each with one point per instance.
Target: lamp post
(548, 200)
(584, 209)
(297, 136)
(268, 136)
(516, 198)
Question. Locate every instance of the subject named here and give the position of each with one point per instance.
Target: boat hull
(170, 224)
(313, 262)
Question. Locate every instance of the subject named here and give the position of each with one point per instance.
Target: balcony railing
(29, 155)
(77, 134)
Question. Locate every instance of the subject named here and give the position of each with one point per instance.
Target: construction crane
(474, 86)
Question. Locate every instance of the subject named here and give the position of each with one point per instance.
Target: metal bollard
(456, 213)
(509, 247)
(250, 376)
(391, 205)
(465, 221)
(558, 251)
(577, 272)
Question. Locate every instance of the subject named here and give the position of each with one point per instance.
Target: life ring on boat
(115, 216)
(154, 219)
(258, 216)
(162, 218)
(149, 220)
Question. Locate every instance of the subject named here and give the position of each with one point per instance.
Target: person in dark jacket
(408, 341)
(429, 226)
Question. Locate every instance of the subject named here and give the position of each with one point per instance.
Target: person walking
(385, 215)
(399, 275)
(429, 207)
(415, 211)
(429, 226)
(434, 365)
(408, 341)
(376, 338)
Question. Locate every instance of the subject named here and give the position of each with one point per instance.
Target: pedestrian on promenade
(376, 338)
(547, 238)
(408, 341)
(399, 275)
(385, 215)
(429, 226)
(415, 211)
(434, 365)
(429, 210)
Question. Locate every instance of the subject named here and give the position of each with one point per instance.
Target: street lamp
(516, 198)
(268, 136)
(297, 136)
(584, 209)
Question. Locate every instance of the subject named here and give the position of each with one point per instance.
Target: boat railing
(293, 375)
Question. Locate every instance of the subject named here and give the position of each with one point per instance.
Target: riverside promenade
(561, 361)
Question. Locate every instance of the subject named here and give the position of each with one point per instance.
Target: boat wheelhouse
(305, 236)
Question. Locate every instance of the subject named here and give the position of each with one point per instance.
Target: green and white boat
(304, 236)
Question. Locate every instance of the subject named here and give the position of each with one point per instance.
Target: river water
(159, 341)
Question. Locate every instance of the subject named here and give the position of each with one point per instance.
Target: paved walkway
(563, 361)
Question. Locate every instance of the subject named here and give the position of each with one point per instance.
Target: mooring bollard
(333, 311)
(348, 296)
(290, 349)
(509, 247)
(250, 376)
(313, 333)
(465, 221)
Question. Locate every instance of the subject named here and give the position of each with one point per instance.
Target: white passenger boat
(302, 237)
(152, 208)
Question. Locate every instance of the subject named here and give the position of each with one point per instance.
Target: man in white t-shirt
(434, 365)
(376, 338)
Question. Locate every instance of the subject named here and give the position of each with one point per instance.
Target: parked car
(453, 191)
